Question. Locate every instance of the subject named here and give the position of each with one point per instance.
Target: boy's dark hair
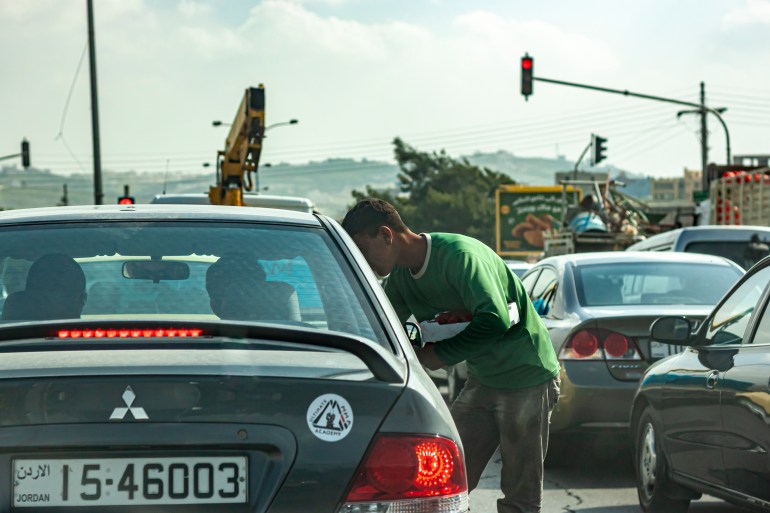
(369, 214)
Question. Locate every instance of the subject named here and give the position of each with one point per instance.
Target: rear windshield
(204, 271)
(659, 283)
(742, 253)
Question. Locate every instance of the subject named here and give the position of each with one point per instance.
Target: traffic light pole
(24, 154)
(700, 106)
(579, 160)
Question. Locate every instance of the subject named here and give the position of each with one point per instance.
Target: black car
(191, 358)
(701, 418)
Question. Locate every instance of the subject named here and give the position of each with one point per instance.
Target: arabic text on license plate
(129, 481)
(660, 350)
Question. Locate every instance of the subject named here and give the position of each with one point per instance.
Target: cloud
(164, 74)
(290, 27)
(752, 12)
(191, 9)
(498, 37)
(327, 2)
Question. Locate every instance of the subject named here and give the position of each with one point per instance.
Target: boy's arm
(485, 297)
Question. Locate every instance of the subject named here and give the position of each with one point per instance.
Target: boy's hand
(428, 357)
(453, 317)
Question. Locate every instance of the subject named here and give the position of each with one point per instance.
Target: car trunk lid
(282, 418)
(636, 327)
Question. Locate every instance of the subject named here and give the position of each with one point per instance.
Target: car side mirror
(671, 330)
(413, 332)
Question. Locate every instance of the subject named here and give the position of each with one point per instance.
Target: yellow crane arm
(243, 147)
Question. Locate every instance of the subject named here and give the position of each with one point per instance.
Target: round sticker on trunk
(330, 417)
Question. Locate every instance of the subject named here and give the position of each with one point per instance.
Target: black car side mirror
(671, 330)
(413, 332)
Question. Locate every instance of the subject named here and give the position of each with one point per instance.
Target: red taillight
(130, 333)
(589, 345)
(409, 466)
(615, 345)
(585, 344)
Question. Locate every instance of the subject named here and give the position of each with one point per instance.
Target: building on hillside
(673, 198)
(600, 176)
(676, 190)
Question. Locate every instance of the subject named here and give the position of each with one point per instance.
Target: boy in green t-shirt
(513, 371)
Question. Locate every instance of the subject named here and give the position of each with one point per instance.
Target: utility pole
(703, 112)
(704, 139)
(98, 195)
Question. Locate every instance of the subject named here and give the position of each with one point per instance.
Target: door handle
(712, 379)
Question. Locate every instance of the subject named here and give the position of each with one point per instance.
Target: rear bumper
(591, 400)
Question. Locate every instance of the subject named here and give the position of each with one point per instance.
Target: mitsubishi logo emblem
(138, 413)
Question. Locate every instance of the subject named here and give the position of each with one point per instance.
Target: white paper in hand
(433, 331)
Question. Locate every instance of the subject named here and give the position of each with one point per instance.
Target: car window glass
(544, 291)
(762, 335)
(741, 252)
(245, 272)
(546, 279)
(529, 280)
(653, 283)
(729, 323)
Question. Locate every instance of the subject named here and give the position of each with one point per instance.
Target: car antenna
(165, 178)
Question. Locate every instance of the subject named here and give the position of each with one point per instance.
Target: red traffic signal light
(527, 69)
(126, 199)
(25, 153)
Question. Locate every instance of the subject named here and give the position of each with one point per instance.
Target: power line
(60, 135)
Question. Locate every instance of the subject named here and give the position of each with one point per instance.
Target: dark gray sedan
(598, 308)
(186, 358)
(701, 418)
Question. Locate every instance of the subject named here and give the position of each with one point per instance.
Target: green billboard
(524, 214)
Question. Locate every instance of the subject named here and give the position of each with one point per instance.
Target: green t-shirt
(462, 273)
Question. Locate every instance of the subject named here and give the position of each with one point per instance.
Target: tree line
(438, 193)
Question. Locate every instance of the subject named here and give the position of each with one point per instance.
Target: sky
(440, 74)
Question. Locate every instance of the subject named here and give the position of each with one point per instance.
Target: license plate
(129, 481)
(659, 350)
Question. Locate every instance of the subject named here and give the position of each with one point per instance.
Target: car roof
(578, 259)
(705, 232)
(156, 212)
(250, 199)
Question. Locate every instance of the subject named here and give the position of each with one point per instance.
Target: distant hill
(328, 183)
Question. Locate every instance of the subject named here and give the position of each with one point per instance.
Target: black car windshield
(205, 271)
(653, 283)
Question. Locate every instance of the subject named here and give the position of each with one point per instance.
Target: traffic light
(25, 153)
(126, 199)
(598, 149)
(527, 68)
